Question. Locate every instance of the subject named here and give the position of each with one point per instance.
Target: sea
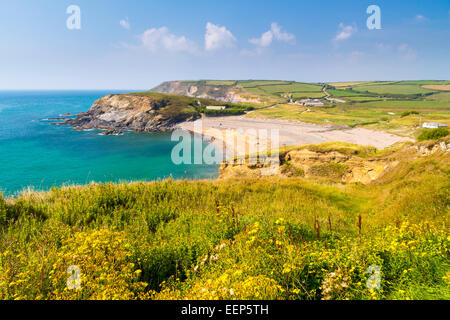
(37, 155)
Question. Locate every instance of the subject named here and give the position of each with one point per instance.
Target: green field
(384, 115)
(339, 115)
(253, 84)
(301, 95)
(343, 93)
(409, 104)
(404, 89)
(279, 89)
(362, 98)
(441, 96)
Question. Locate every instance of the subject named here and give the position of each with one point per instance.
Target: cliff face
(138, 112)
(313, 164)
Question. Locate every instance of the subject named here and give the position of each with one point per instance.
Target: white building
(434, 125)
(216, 108)
(311, 103)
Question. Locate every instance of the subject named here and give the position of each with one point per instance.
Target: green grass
(220, 82)
(343, 93)
(408, 104)
(294, 87)
(339, 115)
(384, 115)
(256, 90)
(425, 82)
(392, 89)
(254, 84)
(433, 134)
(441, 96)
(362, 99)
(300, 95)
(380, 108)
(179, 107)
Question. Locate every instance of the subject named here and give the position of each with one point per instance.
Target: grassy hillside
(178, 105)
(266, 238)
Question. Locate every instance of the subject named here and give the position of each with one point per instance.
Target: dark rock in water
(112, 133)
(140, 113)
(66, 115)
(56, 119)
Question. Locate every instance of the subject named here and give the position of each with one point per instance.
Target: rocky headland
(140, 112)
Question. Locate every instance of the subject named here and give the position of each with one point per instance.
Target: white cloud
(357, 54)
(383, 46)
(407, 52)
(125, 23)
(251, 53)
(218, 37)
(345, 32)
(160, 39)
(264, 41)
(275, 32)
(420, 18)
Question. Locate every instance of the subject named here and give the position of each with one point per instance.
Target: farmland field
(299, 95)
(250, 83)
(362, 98)
(295, 87)
(345, 84)
(384, 115)
(343, 93)
(220, 83)
(440, 87)
(279, 88)
(392, 89)
(341, 115)
(441, 96)
(409, 104)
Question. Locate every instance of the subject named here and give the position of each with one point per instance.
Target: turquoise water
(35, 154)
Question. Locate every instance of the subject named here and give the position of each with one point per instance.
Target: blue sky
(137, 44)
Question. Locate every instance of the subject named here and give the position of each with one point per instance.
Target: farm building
(433, 125)
(310, 103)
(216, 108)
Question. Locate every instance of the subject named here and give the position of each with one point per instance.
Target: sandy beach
(244, 132)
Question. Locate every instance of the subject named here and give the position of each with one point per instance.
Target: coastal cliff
(314, 164)
(337, 161)
(141, 112)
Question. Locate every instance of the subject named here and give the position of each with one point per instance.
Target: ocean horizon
(35, 154)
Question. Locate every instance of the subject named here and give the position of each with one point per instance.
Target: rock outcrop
(314, 164)
(138, 112)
